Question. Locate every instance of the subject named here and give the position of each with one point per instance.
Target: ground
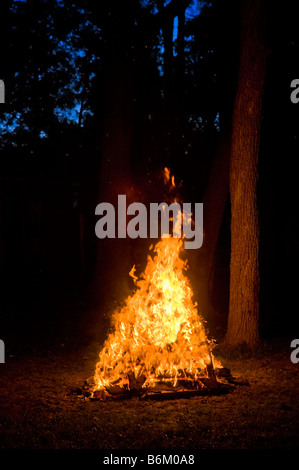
(50, 354)
(37, 410)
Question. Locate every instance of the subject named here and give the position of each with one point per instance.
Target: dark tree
(243, 319)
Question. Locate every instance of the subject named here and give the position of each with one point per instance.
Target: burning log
(117, 390)
(216, 381)
(223, 372)
(183, 394)
(136, 383)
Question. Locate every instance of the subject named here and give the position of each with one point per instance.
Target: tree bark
(216, 192)
(243, 318)
(214, 201)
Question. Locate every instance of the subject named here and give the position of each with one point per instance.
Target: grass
(37, 410)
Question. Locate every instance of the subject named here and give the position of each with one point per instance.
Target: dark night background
(55, 57)
(100, 96)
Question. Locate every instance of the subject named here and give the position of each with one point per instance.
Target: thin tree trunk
(243, 319)
(214, 201)
(216, 192)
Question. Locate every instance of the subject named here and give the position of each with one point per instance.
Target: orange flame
(158, 334)
(168, 178)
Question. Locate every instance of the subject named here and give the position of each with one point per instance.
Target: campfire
(158, 343)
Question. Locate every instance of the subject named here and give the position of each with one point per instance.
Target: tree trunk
(243, 318)
(214, 201)
(216, 192)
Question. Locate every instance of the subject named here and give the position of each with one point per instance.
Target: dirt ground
(37, 410)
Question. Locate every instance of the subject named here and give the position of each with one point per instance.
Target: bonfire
(158, 340)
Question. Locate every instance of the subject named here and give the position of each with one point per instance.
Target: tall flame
(158, 334)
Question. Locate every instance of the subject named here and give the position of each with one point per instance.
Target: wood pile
(216, 382)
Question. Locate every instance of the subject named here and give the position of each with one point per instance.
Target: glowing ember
(158, 335)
